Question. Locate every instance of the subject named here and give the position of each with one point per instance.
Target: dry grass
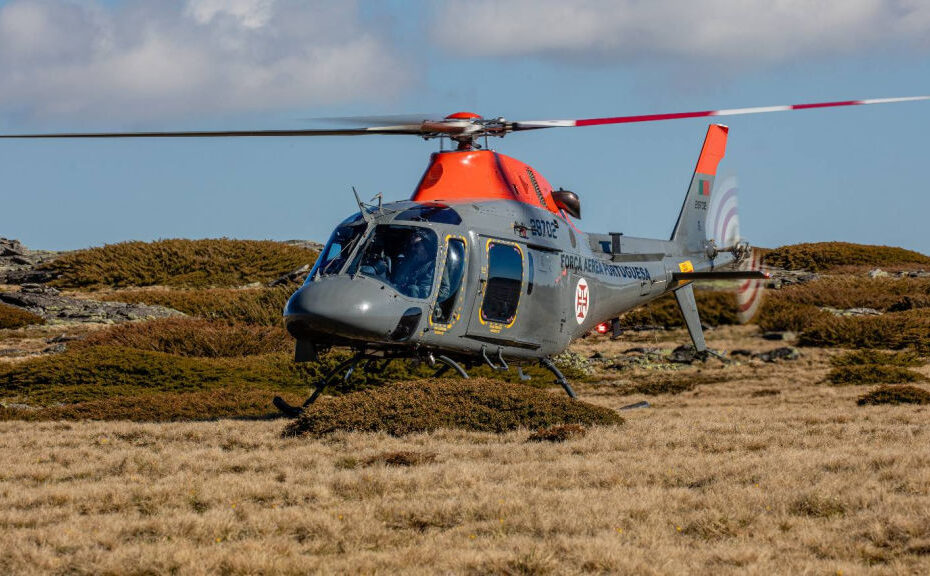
(822, 256)
(264, 306)
(12, 317)
(716, 482)
(558, 433)
(188, 263)
(425, 405)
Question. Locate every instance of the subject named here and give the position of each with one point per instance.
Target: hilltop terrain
(800, 449)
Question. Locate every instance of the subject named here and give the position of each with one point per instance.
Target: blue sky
(855, 174)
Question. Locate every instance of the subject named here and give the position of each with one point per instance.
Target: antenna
(361, 205)
(380, 197)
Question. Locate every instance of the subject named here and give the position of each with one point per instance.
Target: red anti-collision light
(603, 328)
(463, 116)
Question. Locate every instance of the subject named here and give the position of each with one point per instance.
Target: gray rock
(19, 265)
(48, 303)
(878, 273)
(295, 277)
(306, 244)
(683, 355)
(783, 353)
(779, 335)
(852, 311)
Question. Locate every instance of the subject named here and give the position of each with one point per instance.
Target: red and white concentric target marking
(749, 294)
(723, 215)
(582, 300)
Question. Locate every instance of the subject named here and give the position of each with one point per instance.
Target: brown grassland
(760, 468)
(151, 448)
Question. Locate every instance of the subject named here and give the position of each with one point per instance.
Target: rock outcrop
(57, 309)
(19, 265)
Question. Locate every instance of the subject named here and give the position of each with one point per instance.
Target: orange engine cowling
(476, 175)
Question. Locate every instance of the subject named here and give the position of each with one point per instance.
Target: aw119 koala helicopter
(484, 263)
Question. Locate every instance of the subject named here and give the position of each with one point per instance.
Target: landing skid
(347, 367)
(345, 370)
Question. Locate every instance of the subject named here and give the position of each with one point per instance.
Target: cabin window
(436, 213)
(339, 247)
(404, 257)
(505, 278)
(451, 283)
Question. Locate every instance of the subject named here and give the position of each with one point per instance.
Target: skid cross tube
(559, 378)
(348, 366)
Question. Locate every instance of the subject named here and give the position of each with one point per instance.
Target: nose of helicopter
(357, 308)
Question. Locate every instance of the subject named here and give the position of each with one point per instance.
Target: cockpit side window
(403, 257)
(451, 282)
(505, 278)
(339, 247)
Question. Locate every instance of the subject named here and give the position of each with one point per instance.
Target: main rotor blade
(401, 129)
(537, 124)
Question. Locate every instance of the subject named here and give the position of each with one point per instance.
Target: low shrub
(782, 315)
(14, 317)
(885, 294)
(903, 394)
(717, 308)
(421, 406)
(107, 372)
(894, 330)
(822, 256)
(194, 337)
(177, 262)
(877, 357)
(559, 433)
(871, 374)
(264, 306)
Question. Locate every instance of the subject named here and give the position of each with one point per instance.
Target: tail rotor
(724, 230)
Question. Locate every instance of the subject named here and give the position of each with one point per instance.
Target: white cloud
(79, 59)
(748, 31)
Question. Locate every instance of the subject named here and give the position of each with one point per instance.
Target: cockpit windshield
(340, 245)
(402, 256)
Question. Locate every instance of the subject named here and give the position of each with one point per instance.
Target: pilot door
(500, 289)
(449, 300)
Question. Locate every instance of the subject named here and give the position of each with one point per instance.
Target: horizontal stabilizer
(721, 275)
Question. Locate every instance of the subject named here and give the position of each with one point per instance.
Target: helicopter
(484, 263)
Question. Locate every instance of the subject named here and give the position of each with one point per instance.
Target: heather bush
(421, 406)
(903, 394)
(871, 374)
(177, 262)
(195, 337)
(264, 306)
(13, 317)
(894, 330)
(822, 256)
(876, 357)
